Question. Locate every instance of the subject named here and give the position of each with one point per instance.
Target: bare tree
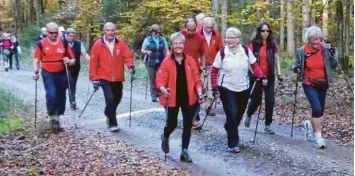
(282, 24)
(340, 28)
(224, 11)
(291, 50)
(325, 19)
(305, 17)
(347, 35)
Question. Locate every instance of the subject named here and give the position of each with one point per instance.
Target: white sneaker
(114, 129)
(309, 134)
(319, 143)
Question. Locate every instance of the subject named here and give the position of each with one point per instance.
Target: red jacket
(211, 50)
(105, 66)
(166, 77)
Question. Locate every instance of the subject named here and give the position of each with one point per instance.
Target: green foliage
(287, 62)
(29, 37)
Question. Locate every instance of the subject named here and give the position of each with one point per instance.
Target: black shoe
(18, 68)
(6, 69)
(165, 144)
(184, 157)
(55, 126)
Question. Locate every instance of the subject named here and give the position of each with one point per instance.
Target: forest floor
(89, 149)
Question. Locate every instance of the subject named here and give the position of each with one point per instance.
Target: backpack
(40, 46)
(221, 52)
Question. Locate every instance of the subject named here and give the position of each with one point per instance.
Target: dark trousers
(171, 122)
(113, 96)
(55, 85)
(234, 105)
(74, 74)
(152, 72)
(10, 59)
(316, 98)
(14, 54)
(256, 98)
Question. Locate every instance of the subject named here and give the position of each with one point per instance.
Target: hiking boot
(184, 157)
(165, 144)
(114, 129)
(319, 143)
(309, 134)
(55, 126)
(234, 149)
(247, 120)
(268, 129)
(196, 125)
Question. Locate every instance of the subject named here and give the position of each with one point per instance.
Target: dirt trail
(271, 155)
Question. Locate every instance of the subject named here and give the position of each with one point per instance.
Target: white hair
(313, 31)
(61, 29)
(200, 16)
(71, 30)
(210, 21)
(43, 29)
(177, 36)
(109, 24)
(235, 31)
(52, 25)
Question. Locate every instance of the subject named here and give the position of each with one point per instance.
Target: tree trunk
(215, 7)
(291, 50)
(340, 29)
(224, 11)
(347, 36)
(313, 13)
(282, 25)
(325, 19)
(305, 18)
(15, 14)
(32, 12)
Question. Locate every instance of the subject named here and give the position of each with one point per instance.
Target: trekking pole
(87, 103)
(294, 104)
(87, 93)
(167, 115)
(36, 104)
(146, 86)
(257, 121)
(346, 80)
(130, 103)
(69, 88)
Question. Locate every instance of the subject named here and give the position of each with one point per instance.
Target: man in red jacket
(108, 56)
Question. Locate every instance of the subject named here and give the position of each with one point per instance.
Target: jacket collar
(213, 31)
(103, 40)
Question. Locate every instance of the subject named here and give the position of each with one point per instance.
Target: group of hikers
(9, 49)
(197, 70)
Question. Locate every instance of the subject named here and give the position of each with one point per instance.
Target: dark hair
(270, 39)
(190, 20)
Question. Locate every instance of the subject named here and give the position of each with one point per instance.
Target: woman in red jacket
(179, 81)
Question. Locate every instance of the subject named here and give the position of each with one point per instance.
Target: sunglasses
(52, 33)
(157, 32)
(265, 31)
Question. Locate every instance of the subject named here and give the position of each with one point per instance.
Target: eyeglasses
(52, 33)
(265, 31)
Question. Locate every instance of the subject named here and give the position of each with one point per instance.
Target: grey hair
(200, 16)
(177, 36)
(313, 31)
(109, 24)
(43, 29)
(235, 31)
(71, 30)
(154, 27)
(51, 25)
(209, 20)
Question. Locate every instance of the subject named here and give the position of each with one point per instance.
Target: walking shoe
(184, 157)
(319, 143)
(55, 126)
(196, 125)
(308, 130)
(114, 129)
(268, 129)
(165, 144)
(234, 149)
(247, 120)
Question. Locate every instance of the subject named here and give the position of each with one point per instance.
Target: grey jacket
(329, 60)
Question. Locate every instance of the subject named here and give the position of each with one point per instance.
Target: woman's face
(265, 31)
(232, 40)
(314, 42)
(177, 46)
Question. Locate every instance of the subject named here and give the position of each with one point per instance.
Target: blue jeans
(316, 98)
(256, 96)
(55, 85)
(234, 105)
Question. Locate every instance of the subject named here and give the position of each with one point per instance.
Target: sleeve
(162, 76)
(94, 62)
(166, 46)
(145, 43)
(82, 47)
(196, 75)
(333, 60)
(256, 70)
(70, 52)
(297, 63)
(37, 53)
(252, 58)
(251, 47)
(217, 64)
(127, 55)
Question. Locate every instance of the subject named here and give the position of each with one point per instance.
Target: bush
(29, 37)
(287, 62)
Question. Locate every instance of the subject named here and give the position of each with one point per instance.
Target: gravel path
(271, 154)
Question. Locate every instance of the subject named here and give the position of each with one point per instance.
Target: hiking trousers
(74, 74)
(113, 95)
(316, 98)
(152, 72)
(55, 85)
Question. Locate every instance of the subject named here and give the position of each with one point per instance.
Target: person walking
(6, 46)
(314, 63)
(265, 51)
(232, 64)
(16, 51)
(179, 82)
(155, 48)
(108, 56)
(52, 53)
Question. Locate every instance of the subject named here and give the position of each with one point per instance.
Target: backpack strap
(246, 50)
(221, 52)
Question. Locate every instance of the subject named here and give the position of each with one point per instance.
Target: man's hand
(201, 99)
(96, 85)
(205, 72)
(35, 76)
(132, 71)
(147, 52)
(66, 60)
(296, 70)
(165, 91)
